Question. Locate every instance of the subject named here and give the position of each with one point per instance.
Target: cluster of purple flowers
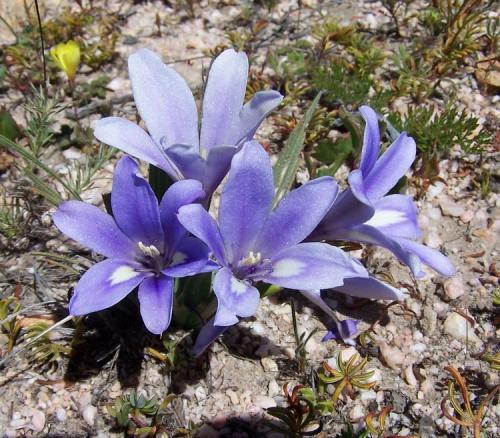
(150, 243)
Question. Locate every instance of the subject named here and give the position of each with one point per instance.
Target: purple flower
(363, 212)
(168, 109)
(144, 243)
(344, 330)
(252, 243)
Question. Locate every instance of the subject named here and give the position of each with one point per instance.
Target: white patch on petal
(387, 217)
(288, 268)
(122, 274)
(178, 258)
(237, 287)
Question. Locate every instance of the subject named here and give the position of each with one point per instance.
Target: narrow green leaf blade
(286, 167)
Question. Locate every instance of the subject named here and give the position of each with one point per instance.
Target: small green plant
(436, 133)
(465, 416)
(14, 214)
(139, 415)
(9, 323)
(496, 296)
(493, 359)
(299, 415)
(46, 349)
(170, 356)
(347, 375)
(301, 340)
(376, 422)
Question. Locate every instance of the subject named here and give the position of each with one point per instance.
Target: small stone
(269, 365)
(273, 388)
(357, 412)
(61, 415)
(257, 328)
(435, 189)
(233, 396)
(264, 402)
(88, 414)
(429, 320)
(410, 377)
(85, 399)
(368, 395)
(459, 328)
(200, 393)
(392, 356)
(433, 240)
(427, 386)
(454, 287)
(72, 154)
(467, 216)
(38, 420)
(450, 208)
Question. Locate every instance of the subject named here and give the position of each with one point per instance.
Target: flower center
(150, 251)
(251, 259)
(153, 259)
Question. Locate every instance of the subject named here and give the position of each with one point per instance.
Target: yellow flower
(67, 57)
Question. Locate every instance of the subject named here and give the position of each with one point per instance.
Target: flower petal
(190, 258)
(431, 257)
(104, 285)
(369, 288)
(371, 140)
(156, 297)
(130, 138)
(251, 116)
(368, 234)
(245, 200)
(236, 298)
(94, 229)
(181, 193)
(346, 211)
(208, 334)
(210, 171)
(295, 221)
(218, 164)
(312, 265)
(163, 100)
(396, 215)
(390, 167)
(198, 222)
(134, 204)
(223, 98)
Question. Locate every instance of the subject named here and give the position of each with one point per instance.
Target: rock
(61, 415)
(429, 321)
(38, 420)
(200, 393)
(410, 377)
(88, 414)
(432, 239)
(233, 396)
(459, 328)
(264, 402)
(357, 412)
(450, 208)
(467, 216)
(454, 287)
(269, 365)
(257, 328)
(273, 388)
(368, 395)
(392, 356)
(435, 189)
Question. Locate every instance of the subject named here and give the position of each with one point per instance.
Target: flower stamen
(150, 251)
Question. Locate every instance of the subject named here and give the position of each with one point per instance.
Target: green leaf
(4, 141)
(8, 126)
(287, 165)
(340, 151)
